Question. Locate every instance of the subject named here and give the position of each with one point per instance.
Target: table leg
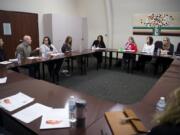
(105, 63)
(43, 72)
(110, 60)
(72, 65)
(117, 56)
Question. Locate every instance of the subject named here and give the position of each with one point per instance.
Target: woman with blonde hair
(129, 58)
(168, 122)
(67, 46)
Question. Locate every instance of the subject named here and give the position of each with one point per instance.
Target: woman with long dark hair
(99, 43)
(148, 48)
(46, 49)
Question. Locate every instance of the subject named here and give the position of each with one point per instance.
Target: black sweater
(66, 48)
(96, 43)
(166, 129)
(2, 54)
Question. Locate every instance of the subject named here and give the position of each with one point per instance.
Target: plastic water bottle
(43, 55)
(72, 108)
(161, 104)
(158, 52)
(19, 58)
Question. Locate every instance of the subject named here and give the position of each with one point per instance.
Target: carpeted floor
(114, 85)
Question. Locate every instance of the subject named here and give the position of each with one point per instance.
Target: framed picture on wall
(7, 29)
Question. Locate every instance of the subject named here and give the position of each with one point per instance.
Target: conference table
(56, 96)
(145, 108)
(109, 55)
(82, 57)
(50, 95)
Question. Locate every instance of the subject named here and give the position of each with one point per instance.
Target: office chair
(178, 50)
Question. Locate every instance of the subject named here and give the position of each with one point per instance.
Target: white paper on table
(13, 60)
(5, 62)
(129, 51)
(16, 101)
(97, 48)
(57, 54)
(31, 113)
(32, 58)
(55, 118)
(3, 80)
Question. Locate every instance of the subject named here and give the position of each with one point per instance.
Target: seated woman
(67, 46)
(46, 49)
(168, 122)
(131, 45)
(99, 43)
(149, 49)
(129, 58)
(165, 49)
(148, 46)
(2, 53)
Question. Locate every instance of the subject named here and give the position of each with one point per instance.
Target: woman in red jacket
(129, 57)
(131, 45)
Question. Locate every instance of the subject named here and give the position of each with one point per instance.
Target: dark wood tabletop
(146, 108)
(54, 96)
(35, 60)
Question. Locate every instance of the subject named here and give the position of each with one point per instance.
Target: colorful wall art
(157, 24)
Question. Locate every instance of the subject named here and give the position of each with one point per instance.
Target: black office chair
(155, 65)
(158, 44)
(178, 50)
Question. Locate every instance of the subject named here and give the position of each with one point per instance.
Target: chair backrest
(35, 53)
(158, 44)
(178, 49)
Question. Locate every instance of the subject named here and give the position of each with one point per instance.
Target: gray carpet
(114, 85)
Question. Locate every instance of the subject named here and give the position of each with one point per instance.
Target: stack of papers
(31, 113)
(55, 118)
(16, 101)
(3, 80)
(5, 62)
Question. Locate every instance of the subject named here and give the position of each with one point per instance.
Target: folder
(132, 126)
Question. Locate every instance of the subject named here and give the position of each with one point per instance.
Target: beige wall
(63, 7)
(123, 11)
(122, 17)
(95, 12)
